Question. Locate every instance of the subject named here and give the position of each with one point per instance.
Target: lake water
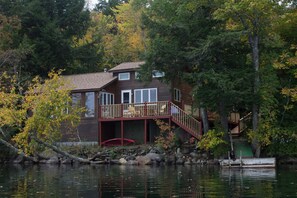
(145, 181)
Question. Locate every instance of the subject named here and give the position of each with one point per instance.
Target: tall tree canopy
(188, 42)
(48, 30)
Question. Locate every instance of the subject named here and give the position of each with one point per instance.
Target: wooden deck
(153, 110)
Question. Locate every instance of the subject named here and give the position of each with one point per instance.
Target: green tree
(189, 43)
(48, 29)
(36, 117)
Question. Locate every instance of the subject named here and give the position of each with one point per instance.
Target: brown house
(120, 106)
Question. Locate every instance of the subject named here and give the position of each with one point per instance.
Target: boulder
(132, 162)
(143, 160)
(154, 157)
(53, 160)
(122, 161)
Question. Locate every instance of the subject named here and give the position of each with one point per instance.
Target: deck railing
(243, 122)
(134, 110)
(186, 121)
(153, 110)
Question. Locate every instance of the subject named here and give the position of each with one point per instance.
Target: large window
(145, 95)
(124, 76)
(106, 98)
(177, 95)
(90, 104)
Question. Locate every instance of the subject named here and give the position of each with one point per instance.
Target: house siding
(163, 90)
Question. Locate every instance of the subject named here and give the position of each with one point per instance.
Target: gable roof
(90, 80)
(127, 66)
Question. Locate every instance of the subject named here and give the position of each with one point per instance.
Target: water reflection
(140, 181)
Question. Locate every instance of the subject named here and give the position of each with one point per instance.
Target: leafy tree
(37, 117)
(121, 37)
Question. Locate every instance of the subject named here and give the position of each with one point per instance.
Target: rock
(185, 150)
(180, 161)
(122, 161)
(53, 160)
(212, 162)
(115, 162)
(170, 159)
(154, 157)
(154, 150)
(204, 155)
(143, 160)
(188, 162)
(42, 161)
(66, 161)
(130, 157)
(194, 155)
(19, 159)
(132, 162)
(98, 162)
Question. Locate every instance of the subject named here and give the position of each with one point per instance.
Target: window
(145, 95)
(124, 76)
(158, 74)
(90, 104)
(177, 95)
(137, 75)
(76, 99)
(106, 98)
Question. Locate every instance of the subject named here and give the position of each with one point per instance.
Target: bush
(213, 142)
(167, 139)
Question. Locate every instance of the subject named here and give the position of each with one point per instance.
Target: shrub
(167, 139)
(213, 142)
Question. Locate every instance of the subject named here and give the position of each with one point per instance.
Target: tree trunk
(57, 150)
(254, 42)
(224, 120)
(17, 151)
(204, 117)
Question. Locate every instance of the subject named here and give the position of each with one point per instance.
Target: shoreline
(131, 155)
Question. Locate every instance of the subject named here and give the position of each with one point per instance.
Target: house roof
(127, 66)
(90, 80)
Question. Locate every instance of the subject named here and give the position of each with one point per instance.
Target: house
(119, 105)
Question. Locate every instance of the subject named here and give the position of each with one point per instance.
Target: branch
(17, 151)
(57, 150)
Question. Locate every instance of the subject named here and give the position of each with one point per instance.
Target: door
(126, 96)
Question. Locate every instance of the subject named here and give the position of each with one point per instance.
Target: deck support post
(122, 132)
(145, 130)
(100, 132)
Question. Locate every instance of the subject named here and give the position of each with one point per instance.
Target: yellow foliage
(45, 106)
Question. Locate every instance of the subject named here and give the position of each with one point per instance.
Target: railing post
(169, 107)
(122, 110)
(145, 109)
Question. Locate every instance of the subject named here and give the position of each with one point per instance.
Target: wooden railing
(186, 121)
(153, 110)
(243, 122)
(135, 110)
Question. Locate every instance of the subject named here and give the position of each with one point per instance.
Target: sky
(92, 3)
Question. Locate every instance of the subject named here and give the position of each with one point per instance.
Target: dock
(249, 163)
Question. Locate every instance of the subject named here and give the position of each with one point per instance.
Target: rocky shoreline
(130, 155)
